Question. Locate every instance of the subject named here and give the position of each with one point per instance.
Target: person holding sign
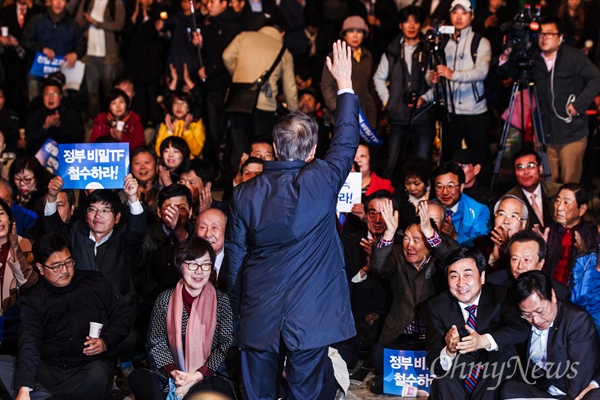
(99, 244)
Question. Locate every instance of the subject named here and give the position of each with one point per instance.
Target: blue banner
(367, 132)
(93, 165)
(405, 373)
(47, 155)
(42, 65)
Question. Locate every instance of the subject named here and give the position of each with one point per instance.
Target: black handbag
(242, 97)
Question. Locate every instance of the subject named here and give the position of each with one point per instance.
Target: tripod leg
(538, 129)
(505, 129)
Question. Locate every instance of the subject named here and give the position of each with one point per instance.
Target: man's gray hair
(295, 135)
(510, 196)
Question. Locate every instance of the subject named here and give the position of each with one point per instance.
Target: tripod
(521, 83)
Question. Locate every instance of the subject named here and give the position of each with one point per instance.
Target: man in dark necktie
(471, 333)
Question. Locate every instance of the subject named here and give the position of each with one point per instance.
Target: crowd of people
(217, 291)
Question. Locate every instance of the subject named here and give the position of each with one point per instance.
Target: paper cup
(95, 329)
(120, 125)
(4, 30)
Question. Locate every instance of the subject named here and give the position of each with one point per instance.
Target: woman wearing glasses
(190, 331)
(30, 181)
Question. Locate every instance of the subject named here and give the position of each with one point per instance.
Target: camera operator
(399, 80)
(465, 71)
(567, 83)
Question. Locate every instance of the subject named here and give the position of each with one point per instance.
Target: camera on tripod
(522, 35)
(434, 35)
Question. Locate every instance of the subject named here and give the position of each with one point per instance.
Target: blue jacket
(585, 285)
(283, 256)
(470, 220)
(64, 36)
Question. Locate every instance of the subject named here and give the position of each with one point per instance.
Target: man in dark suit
(471, 332)
(526, 252)
(283, 263)
(560, 356)
(528, 171)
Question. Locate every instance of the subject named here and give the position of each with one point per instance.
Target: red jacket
(132, 134)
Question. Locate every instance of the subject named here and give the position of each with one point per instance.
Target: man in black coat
(560, 356)
(59, 357)
(471, 332)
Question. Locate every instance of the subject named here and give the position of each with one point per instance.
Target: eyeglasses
(451, 187)
(521, 167)
(52, 94)
(548, 34)
(101, 211)
(192, 266)
(180, 104)
(70, 263)
(22, 179)
(502, 214)
(536, 313)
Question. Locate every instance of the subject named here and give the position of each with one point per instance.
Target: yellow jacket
(194, 136)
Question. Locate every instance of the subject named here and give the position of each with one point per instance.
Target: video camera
(522, 35)
(433, 37)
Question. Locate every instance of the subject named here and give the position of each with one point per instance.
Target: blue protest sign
(405, 373)
(47, 155)
(367, 132)
(93, 165)
(43, 66)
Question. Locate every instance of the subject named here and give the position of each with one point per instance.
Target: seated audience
(190, 331)
(560, 355)
(466, 218)
(30, 183)
(58, 357)
(174, 153)
(144, 168)
(210, 226)
(470, 161)
(119, 123)
(199, 176)
(252, 167)
(471, 330)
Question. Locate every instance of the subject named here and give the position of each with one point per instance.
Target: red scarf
(202, 322)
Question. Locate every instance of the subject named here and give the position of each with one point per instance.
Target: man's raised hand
(341, 65)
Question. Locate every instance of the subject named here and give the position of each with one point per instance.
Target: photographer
(402, 67)
(567, 83)
(467, 57)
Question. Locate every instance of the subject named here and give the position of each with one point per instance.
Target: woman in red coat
(119, 124)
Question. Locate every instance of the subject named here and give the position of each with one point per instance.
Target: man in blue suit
(466, 218)
(284, 265)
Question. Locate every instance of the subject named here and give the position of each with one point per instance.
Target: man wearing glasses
(100, 243)
(466, 219)
(57, 357)
(567, 83)
(537, 193)
(561, 354)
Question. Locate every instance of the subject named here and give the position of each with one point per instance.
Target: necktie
(536, 209)
(21, 18)
(475, 373)
(449, 213)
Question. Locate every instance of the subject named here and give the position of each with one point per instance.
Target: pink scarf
(202, 322)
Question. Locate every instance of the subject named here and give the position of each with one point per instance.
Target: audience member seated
(144, 168)
(510, 217)
(119, 123)
(537, 193)
(261, 148)
(585, 285)
(180, 122)
(54, 119)
(153, 264)
(190, 331)
(471, 329)
(470, 161)
(210, 226)
(370, 295)
(466, 218)
(174, 153)
(199, 176)
(569, 236)
(560, 356)
(30, 183)
(526, 252)
(99, 244)
(24, 217)
(415, 271)
(57, 356)
(591, 392)
(16, 274)
(252, 167)
(416, 178)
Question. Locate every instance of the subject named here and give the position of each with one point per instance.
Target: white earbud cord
(570, 100)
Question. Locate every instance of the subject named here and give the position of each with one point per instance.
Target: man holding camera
(467, 57)
(567, 83)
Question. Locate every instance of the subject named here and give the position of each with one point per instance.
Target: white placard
(350, 193)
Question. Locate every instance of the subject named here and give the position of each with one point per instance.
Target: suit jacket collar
(284, 165)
